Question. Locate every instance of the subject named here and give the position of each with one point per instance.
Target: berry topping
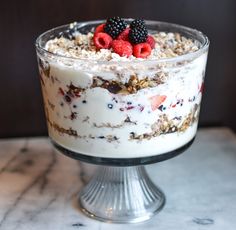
(123, 48)
(124, 35)
(99, 28)
(137, 23)
(151, 41)
(102, 40)
(142, 50)
(114, 26)
(156, 101)
(127, 40)
(138, 35)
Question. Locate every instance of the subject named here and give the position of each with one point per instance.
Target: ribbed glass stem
(121, 195)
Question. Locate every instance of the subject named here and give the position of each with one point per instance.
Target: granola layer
(167, 45)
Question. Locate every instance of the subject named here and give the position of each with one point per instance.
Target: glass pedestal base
(121, 195)
(121, 190)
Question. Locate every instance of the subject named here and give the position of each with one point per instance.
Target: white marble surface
(39, 187)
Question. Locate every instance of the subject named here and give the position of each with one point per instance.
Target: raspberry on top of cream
(116, 40)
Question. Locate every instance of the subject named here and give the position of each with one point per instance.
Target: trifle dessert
(122, 88)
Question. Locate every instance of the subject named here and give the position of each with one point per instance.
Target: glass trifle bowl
(122, 113)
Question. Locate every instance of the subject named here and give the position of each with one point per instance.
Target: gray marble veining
(39, 187)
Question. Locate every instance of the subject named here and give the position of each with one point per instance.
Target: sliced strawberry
(99, 28)
(124, 35)
(102, 40)
(151, 41)
(156, 101)
(123, 48)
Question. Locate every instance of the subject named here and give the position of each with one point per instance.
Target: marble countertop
(39, 187)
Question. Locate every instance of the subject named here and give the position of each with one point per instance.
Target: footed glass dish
(121, 115)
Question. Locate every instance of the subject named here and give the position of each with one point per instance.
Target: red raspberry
(142, 50)
(124, 35)
(151, 41)
(99, 28)
(102, 40)
(123, 48)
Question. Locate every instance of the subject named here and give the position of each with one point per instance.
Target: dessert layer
(167, 45)
(132, 149)
(108, 115)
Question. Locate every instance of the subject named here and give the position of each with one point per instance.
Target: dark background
(21, 112)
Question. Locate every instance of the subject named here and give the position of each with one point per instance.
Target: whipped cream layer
(121, 110)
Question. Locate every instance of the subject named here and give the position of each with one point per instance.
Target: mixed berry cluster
(123, 39)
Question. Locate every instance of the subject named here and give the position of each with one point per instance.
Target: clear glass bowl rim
(189, 56)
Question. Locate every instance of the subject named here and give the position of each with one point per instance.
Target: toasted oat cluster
(81, 46)
(133, 85)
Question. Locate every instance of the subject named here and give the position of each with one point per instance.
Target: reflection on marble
(39, 187)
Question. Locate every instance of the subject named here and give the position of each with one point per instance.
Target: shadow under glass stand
(121, 190)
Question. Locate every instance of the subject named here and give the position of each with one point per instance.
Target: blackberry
(114, 26)
(138, 35)
(137, 23)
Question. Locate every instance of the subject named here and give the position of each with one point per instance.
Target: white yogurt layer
(123, 148)
(96, 122)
